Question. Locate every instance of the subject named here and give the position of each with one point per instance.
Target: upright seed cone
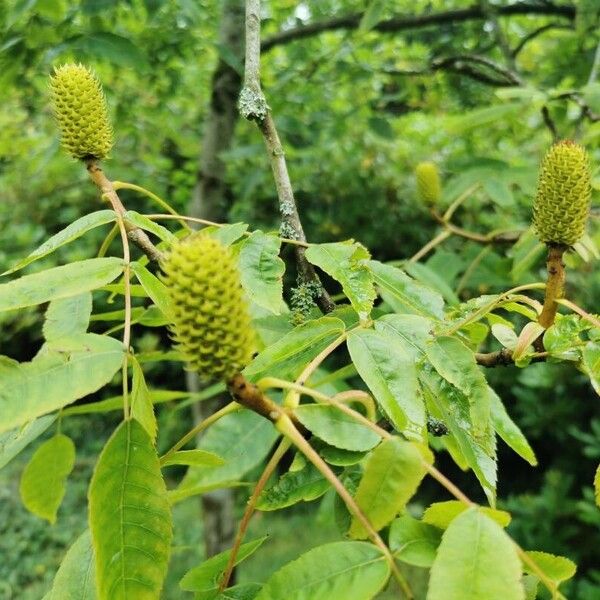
(211, 324)
(562, 202)
(80, 110)
(429, 188)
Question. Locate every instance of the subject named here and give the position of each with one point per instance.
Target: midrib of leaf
(403, 296)
(122, 509)
(473, 585)
(342, 571)
(373, 497)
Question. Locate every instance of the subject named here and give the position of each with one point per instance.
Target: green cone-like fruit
(429, 188)
(80, 110)
(211, 324)
(562, 202)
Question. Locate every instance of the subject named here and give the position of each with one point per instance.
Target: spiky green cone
(562, 202)
(211, 324)
(80, 110)
(429, 187)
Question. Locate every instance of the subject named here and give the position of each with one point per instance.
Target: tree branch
(135, 234)
(253, 106)
(401, 23)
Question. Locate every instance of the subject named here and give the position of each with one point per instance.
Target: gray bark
(210, 200)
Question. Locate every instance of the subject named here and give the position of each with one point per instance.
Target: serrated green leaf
(451, 407)
(346, 263)
(42, 486)
(194, 458)
(130, 517)
(241, 439)
(413, 541)
(142, 408)
(262, 270)
(404, 294)
(206, 577)
(73, 231)
(77, 367)
(390, 373)
(457, 365)
(75, 578)
(155, 289)
(143, 222)
(412, 331)
(356, 570)
(475, 561)
(12, 442)
(508, 430)
(530, 585)
(392, 474)
(555, 568)
(59, 282)
(304, 485)
(441, 514)
(67, 316)
(287, 357)
(336, 428)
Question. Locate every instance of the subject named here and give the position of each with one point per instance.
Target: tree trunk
(210, 200)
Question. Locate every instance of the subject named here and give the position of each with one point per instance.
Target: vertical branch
(253, 106)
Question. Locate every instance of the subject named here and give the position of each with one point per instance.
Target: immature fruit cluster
(80, 110)
(562, 202)
(429, 188)
(211, 324)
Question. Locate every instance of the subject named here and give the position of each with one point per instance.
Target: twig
(253, 106)
(438, 239)
(403, 23)
(135, 234)
(156, 217)
(283, 447)
(549, 122)
(535, 33)
(190, 435)
(285, 426)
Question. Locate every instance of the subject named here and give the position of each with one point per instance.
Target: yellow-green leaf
(556, 568)
(441, 514)
(475, 561)
(130, 517)
(42, 485)
(142, 408)
(392, 475)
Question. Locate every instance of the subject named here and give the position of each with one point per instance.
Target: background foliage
(355, 119)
